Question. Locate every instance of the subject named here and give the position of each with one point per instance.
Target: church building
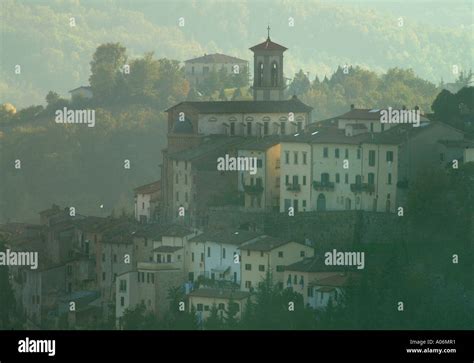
(269, 113)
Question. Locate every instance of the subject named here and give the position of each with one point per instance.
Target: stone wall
(328, 229)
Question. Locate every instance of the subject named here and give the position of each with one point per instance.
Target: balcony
(293, 187)
(323, 185)
(253, 189)
(362, 188)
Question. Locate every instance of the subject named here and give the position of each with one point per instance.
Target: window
(304, 179)
(202, 257)
(248, 252)
(389, 156)
(152, 278)
(283, 127)
(336, 153)
(295, 157)
(280, 268)
(261, 253)
(103, 276)
(177, 196)
(371, 179)
(265, 128)
(186, 179)
(177, 178)
(123, 286)
(260, 74)
(346, 178)
(248, 284)
(280, 254)
(310, 292)
(115, 258)
(200, 307)
(103, 257)
(158, 257)
(389, 178)
(371, 157)
(147, 278)
(209, 252)
(206, 307)
(274, 74)
(249, 128)
(289, 279)
(301, 280)
(337, 178)
(304, 203)
(304, 157)
(232, 128)
(295, 280)
(302, 253)
(371, 127)
(122, 301)
(221, 306)
(325, 152)
(168, 258)
(185, 165)
(287, 157)
(223, 253)
(324, 178)
(261, 268)
(259, 163)
(143, 205)
(346, 154)
(295, 180)
(248, 267)
(186, 197)
(358, 153)
(287, 179)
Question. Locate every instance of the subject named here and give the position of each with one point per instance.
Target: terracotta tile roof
(268, 45)
(149, 188)
(337, 280)
(264, 243)
(167, 249)
(228, 236)
(285, 106)
(216, 58)
(313, 264)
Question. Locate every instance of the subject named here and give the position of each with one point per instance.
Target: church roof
(291, 105)
(268, 45)
(216, 58)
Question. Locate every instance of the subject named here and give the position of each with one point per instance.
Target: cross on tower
(268, 30)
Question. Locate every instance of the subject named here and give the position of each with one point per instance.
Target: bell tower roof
(268, 44)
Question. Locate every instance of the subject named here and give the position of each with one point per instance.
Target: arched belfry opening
(268, 78)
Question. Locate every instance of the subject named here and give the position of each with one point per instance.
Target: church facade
(191, 123)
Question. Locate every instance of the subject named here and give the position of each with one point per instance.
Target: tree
(106, 65)
(300, 84)
(214, 321)
(230, 314)
(7, 299)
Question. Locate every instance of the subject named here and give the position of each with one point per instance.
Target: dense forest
(432, 40)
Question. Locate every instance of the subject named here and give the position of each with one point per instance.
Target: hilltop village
(212, 233)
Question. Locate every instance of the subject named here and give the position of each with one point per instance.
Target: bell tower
(268, 81)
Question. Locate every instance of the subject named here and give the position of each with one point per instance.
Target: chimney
(352, 106)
